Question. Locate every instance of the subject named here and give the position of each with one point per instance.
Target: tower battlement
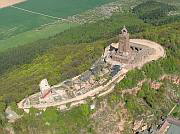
(124, 46)
(123, 54)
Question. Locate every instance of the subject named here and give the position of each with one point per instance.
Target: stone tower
(124, 47)
(124, 52)
(44, 88)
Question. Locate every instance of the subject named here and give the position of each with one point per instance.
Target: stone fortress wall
(101, 78)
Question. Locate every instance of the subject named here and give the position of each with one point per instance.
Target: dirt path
(37, 13)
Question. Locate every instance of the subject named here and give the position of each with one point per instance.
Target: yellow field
(7, 3)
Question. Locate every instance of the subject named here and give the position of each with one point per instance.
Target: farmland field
(33, 35)
(19, 27)
(32, 20)
(15, 21)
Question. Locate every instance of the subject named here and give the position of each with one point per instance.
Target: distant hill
(156, 13)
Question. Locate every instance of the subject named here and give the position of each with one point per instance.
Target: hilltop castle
(110, 68)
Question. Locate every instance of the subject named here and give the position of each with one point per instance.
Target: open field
(36, 19)
(62, 8)
(34, 35)
(15, 21)
(25, 22)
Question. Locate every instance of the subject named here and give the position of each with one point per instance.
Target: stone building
(44, 88)
(124, 53)
(124, 47)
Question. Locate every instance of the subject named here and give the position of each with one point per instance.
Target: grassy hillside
(72, 52)
(63, 61)
(154, 102)
(82, 34)
(57, 65)
(33, 35)
(18, 27)
(70, 57)
(61, 8)
(27, 27)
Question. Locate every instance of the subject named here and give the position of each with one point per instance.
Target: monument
(44, 88)
(124, 53)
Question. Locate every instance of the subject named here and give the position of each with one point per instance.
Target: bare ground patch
(7, 3)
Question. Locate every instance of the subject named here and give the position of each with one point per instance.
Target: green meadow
(18, 27)
(33, 35)
(14, 21)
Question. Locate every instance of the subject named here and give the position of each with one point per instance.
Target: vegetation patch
(156, 13)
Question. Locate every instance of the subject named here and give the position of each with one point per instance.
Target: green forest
(73, 51)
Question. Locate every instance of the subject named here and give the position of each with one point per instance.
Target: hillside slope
(74, 51)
